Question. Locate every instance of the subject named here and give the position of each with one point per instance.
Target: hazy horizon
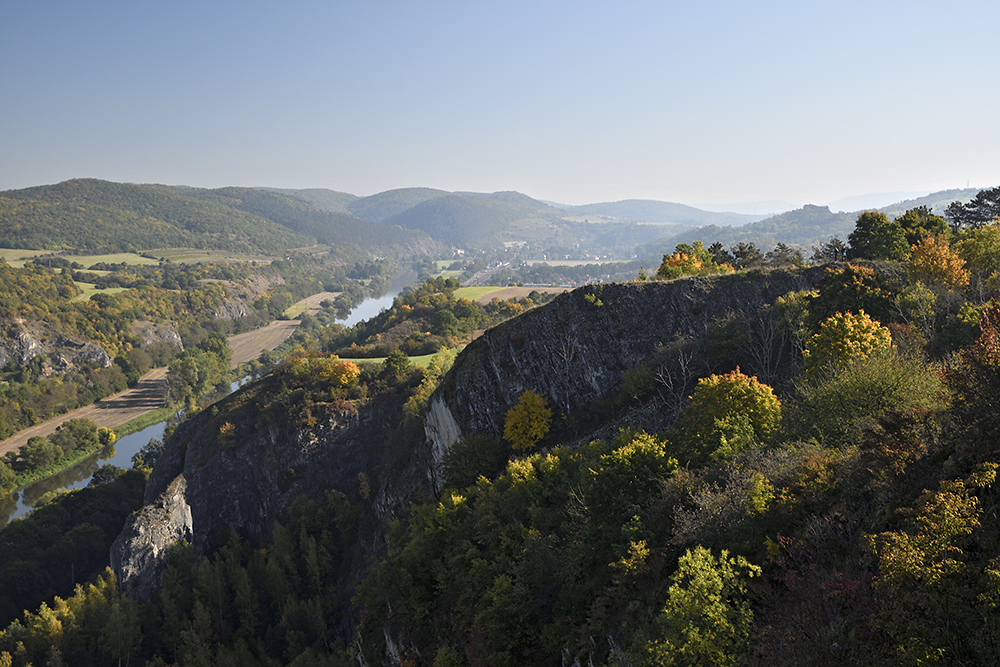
(716, 105)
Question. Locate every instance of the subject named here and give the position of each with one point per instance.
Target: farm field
(486, 293)
(90, 289)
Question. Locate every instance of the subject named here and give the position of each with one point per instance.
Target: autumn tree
(727, 413)
(687, 260)
(935, 262)
(842, 337)
(527, 422)
(875, 237)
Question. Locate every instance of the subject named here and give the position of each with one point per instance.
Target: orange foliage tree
(934, 261)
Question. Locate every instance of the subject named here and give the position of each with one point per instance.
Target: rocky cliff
(238, 467)
(575, 350)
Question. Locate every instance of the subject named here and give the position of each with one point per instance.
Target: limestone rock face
(19, 349)
(150, 333)
(575, 350)
(140, 552)
(243, 483)
(231, 309)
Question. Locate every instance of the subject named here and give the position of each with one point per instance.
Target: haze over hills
(100, 216)
(646, 210)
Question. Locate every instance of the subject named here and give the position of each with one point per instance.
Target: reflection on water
(120, 454)
(22, 501)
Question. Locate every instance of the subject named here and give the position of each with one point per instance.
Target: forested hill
(100, 216)
(475, 220)
(803, 227)
(645, 210)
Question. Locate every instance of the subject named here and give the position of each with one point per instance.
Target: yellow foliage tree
(527, 422)
(934, 261)
(842, 337)
(728, 412)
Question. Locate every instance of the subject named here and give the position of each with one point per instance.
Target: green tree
(527, 422)
(851, 288)
(40, 452)
(836, 406)
(919, 223)
(726, 413)
(7, 479)
(980, 248)
(982, 210)
(925, 604)
(707, 619)
(874, 237)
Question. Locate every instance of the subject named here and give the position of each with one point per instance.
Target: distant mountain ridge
(648, 210)
(92, 215)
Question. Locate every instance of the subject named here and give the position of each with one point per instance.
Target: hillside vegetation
(99, 216)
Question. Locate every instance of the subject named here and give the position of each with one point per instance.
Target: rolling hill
(101, 216)
(646, 210)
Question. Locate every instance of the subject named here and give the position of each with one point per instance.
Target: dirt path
(150, 393)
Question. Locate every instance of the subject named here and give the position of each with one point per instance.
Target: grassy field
(90, 289)
(475, 292)
(17, 258)
(421, 361)
(134, 426)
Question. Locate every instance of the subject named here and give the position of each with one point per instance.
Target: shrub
(726, 413)
(527, 422)
(843, 337)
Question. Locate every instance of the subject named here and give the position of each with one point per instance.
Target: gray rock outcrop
(575, 350)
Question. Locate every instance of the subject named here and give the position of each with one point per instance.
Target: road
(150, 392)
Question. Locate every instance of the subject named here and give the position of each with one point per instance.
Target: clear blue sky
(574, 102)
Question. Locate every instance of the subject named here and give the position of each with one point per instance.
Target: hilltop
(100, 216)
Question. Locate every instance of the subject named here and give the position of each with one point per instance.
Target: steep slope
(575, 350)
(215, 478)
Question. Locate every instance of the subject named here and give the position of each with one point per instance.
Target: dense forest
(822, 494)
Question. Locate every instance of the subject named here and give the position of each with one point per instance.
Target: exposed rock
(244, 482)
(19, 349)
(92, 355)
(575, 350)
(230, 309)
(140, 552)
(150, 333)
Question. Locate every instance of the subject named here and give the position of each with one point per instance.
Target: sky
(572, 102)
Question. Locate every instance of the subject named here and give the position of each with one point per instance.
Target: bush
(836, 407)
(843, 337)
(726, 413)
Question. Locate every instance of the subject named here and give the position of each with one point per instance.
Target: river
(22, 501)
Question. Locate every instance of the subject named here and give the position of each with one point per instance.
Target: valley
(523, 474)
